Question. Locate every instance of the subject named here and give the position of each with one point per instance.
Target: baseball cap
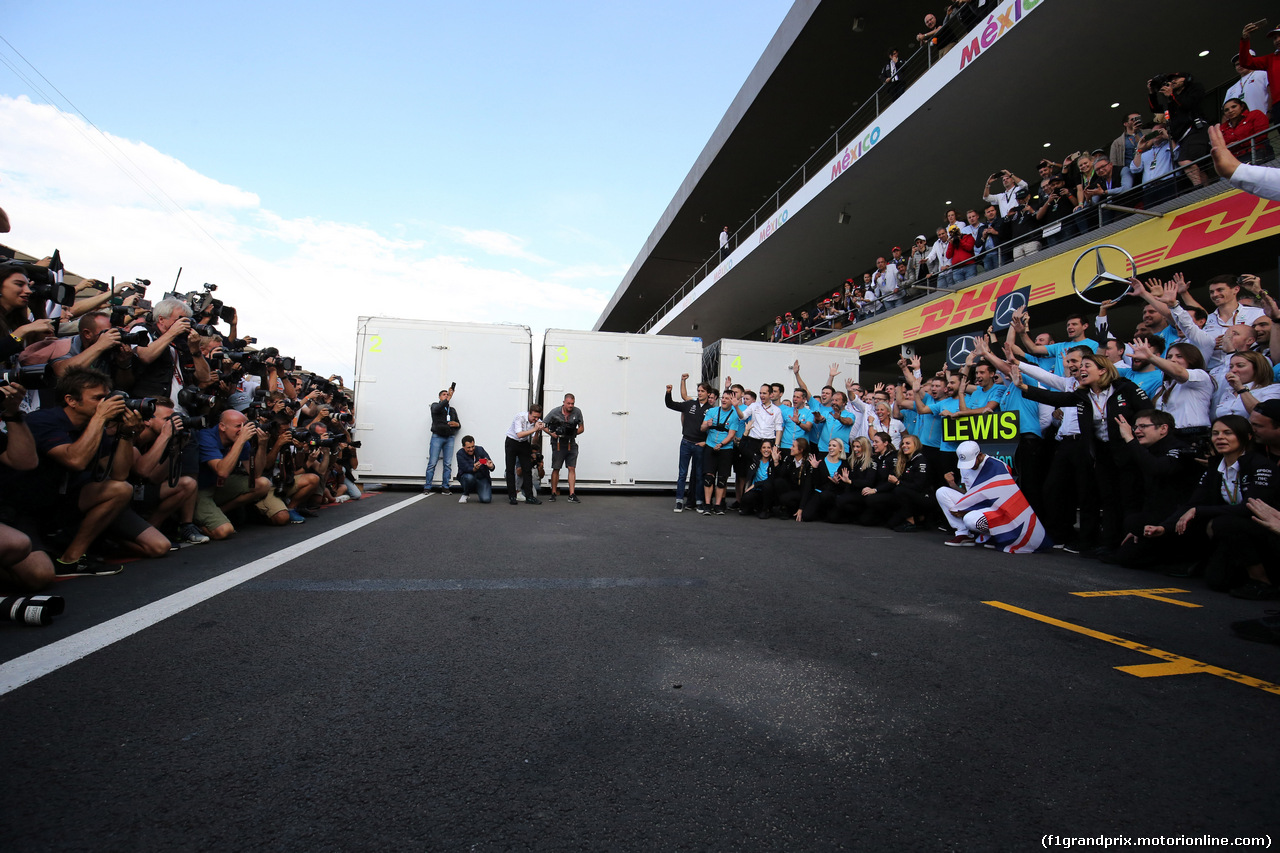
(967, 455)
(1269, 409)
(1045, 163)
(1274, 30)
(897, 248)
(921, 238)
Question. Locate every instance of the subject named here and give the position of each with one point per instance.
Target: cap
(1057, 176)
(1235, 59)
(921, 238)
(1045, 163)
(836, 295)
(1097, 152)
(1022, 192)
(1269, 409)
(897, 248)
(1274, 30)
(788, 313)
(967, 455)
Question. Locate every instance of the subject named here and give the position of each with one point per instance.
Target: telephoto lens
(32, 609)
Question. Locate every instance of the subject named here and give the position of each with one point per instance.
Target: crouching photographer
(22, 568)
(228, 478)
(81, 485)
(293, 484)
(173, 358)
(474, 469)
(161, 490)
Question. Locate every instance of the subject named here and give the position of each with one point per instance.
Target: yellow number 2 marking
(375, 343)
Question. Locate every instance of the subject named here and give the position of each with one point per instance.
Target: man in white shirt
(938, 261)
(1251, 88)
(1261, 181)
(1224, 293)
(724, 244)
(1007, 199)
(519, 447)
(887, 283)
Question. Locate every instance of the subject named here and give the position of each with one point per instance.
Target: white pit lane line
(41, 662)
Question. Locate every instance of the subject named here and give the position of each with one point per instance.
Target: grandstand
(1046, 79)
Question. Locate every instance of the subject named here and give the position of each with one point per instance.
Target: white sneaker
(341, 499)
(462, 499)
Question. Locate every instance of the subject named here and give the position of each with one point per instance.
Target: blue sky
(490, 161)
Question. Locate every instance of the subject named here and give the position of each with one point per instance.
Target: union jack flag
(1011, 522)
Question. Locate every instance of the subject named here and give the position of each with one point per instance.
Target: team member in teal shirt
(722, 425)
(797, 419)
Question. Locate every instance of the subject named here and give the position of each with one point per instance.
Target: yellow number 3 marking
(737, 364)
(375, 343)
(562, 354)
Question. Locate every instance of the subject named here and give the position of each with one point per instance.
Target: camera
(136, 337)
(44, 284)
(193, 400)
(144, 406)
(341, 417)
(33, 377)
(203, 330)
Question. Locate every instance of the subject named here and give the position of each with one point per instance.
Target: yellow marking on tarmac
(1174, 664)
(1153, 594)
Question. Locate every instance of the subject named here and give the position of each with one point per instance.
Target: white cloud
(299, 284)
(495, 243)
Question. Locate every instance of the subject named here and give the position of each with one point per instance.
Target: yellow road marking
(1174, 664)
(1153, 594)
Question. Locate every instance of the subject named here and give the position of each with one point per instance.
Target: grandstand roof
(1052, 80)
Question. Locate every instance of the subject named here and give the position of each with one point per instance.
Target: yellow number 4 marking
(737, 364)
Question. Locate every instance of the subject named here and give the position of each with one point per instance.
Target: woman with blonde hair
(913, 496)
(862, 475)
(1102, 397)
(830, 478)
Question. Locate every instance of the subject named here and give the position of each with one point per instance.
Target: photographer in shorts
(229, 469)
(564, 425)
(22, 567)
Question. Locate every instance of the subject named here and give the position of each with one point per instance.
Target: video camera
(202, 301)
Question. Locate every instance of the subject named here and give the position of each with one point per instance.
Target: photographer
(288, 484)
(173, 357)
(1153, 160)
(164, 491)
(16, 325)
(21, 566)
(474, 468)
(1179, 99)
(564, 425)
(228, 467)
(98, 346)
(444, 426)
(1056, 207)
(86, 452)
(524, 427)
(1007, 199)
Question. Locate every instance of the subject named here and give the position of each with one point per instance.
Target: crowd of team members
(130, 429)
(1152, 158)
(1154, 449)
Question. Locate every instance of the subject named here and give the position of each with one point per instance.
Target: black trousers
(1070, 474)
(521, 451)
(1031, 464)
(909, 503)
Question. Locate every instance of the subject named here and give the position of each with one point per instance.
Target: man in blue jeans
(474, 466)
(444, 426)
(692, 413)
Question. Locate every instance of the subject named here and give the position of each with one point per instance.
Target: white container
(403, 365)
(754, 363)
(631, 439)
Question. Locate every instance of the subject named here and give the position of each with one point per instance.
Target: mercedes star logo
(960, 349)
(1102, 276)
(1009, 305)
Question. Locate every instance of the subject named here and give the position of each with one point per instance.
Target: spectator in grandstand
(1023, 226)
(890, 77)
(1007, 199)
(1270, 63)
(724, 244)
(22, 567)
(475, 468)
(886, 282)
(932, 31)
(918, 263)
(1181, 97)
(1244, 131)
(1125, 146)
(989, 507)
(1153, 159)
(1252, 88)
(1259, 180)
(1056, 207)
(444, 426)
(692, 413)
(991, 234)
(938, 259)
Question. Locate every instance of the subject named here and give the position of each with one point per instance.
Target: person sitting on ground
(991, 509)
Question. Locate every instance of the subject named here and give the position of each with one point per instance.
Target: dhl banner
(1231, 219)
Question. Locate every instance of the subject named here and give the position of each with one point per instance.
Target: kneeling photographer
(161, 489)
(22, 568)
(229, 466)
